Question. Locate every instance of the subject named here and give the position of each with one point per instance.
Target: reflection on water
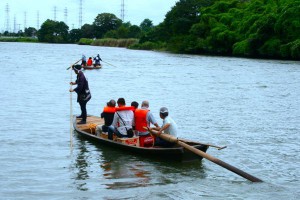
(81, 166)
(121, 170)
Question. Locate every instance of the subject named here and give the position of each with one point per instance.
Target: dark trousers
(112, 130)
(83, 109)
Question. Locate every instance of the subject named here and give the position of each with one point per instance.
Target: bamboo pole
(170, 138)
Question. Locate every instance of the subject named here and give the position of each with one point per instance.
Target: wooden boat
(93, 67)
(176, 153)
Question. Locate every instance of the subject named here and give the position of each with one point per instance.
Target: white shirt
(172, 129)
(127, 116)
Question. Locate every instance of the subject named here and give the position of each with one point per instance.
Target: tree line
(246, 28)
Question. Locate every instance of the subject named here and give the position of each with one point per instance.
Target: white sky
(135, 11)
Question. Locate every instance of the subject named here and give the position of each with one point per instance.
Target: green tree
(30, 32)
(105, 22)
(75, 35)
(53, 32)
(146, 25)
(134, 32)
(88, 31)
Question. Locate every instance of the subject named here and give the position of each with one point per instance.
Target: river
(249, 105)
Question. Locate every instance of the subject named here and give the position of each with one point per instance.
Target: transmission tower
(7, 18)
(25, 20)
(66, 15)
(122, 10)
(15, 24)
(80, 13)
(38, 20)
(54, 12)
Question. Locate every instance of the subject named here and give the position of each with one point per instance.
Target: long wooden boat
(93, 67)
(176, 153)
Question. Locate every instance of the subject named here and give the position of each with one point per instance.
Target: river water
(251, 106)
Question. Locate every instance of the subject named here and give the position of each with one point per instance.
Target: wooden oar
(73, 64)
(170, 138)
(211, 145)
(109, 63)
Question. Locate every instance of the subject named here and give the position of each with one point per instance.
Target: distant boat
(93, 67)
(175, 153)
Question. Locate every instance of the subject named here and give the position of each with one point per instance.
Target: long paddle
(211, 145)
(170, 138)
(73, 64)
(109, 63)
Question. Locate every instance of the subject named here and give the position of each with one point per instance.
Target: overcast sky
(135, 11)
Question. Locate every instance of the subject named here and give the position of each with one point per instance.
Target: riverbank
(19, 39)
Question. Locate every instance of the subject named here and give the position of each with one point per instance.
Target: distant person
(83, 60)
(108, 114)
(89, 62)
(168, 127)
(83, 92)
(122, 122)
(144, 118)
(97, 60)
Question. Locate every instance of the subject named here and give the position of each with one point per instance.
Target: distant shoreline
(121, 43)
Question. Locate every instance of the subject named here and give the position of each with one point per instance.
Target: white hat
(163, 110)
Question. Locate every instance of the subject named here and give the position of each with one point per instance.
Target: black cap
(77, 67)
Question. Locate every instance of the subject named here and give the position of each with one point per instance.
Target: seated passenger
(169, 127)
(89, 62)
(108, 114)
(122, 122)
(143, 118)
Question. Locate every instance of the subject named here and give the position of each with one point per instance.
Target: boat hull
(176, 153)
(93, 67)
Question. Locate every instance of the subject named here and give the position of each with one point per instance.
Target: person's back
(123, 120)
(97, 60)
(108, 114)
(90, 61)
(143, 118)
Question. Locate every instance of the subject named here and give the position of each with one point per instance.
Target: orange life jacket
(89, 62)
(140, 118)
(125, 108)
(108, 109)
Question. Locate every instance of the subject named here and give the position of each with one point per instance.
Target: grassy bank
(110, 42)
(18, 39)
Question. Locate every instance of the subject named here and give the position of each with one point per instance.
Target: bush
(111, 42)
(291, 50)
(270, 48)
(85, 41)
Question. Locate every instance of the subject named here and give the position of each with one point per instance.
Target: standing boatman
(83, 92)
